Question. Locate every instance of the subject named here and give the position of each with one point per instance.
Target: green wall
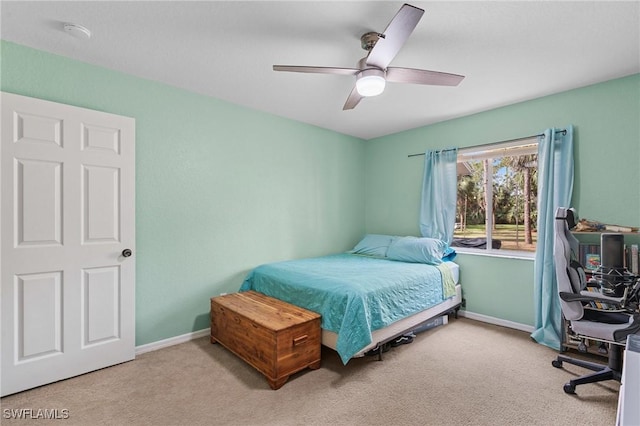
(606, 118)
(219, 188)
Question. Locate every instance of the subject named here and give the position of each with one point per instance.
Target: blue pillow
(373, 245)
(417, 250)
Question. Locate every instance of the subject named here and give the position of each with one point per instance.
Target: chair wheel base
(569, 388)
(556, 363)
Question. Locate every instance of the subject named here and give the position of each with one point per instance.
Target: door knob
(126, 252)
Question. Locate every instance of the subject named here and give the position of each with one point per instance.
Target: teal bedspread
(354, 294)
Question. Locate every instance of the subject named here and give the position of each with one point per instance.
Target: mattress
(410, 323)
(356, 295)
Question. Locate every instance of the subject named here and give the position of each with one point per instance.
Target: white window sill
(507, 254)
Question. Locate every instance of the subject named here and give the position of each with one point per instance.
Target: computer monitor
(612, 251)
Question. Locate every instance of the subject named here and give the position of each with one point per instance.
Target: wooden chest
(275, 337)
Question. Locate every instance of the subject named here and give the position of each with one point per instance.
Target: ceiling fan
(373, 70)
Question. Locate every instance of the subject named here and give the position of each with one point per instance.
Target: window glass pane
(512, 191)
(471, 206)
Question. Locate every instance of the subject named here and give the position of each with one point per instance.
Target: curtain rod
(564, 132)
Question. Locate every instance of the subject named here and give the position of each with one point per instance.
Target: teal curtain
(439, 194)
(555, 187)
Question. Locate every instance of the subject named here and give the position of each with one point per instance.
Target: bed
(364, 300)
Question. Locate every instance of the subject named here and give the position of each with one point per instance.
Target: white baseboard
(496, 321)
(154, 346)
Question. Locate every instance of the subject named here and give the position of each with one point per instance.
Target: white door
(67, 215)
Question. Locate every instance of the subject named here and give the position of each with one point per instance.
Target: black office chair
(610, 326)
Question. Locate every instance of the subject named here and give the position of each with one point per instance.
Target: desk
(628, 407)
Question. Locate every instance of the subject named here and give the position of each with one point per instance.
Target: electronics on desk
(612, 251)
(634, 259)
(612, 275)
(589, 257)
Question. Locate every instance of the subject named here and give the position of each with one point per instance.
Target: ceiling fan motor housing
(368, 40)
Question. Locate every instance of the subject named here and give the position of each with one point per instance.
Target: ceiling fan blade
(396, 34)
(316, 70)
(353, 100)
(415, 76)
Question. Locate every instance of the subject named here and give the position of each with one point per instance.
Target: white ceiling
(508, 51)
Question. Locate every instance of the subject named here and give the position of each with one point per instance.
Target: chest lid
(266, 311)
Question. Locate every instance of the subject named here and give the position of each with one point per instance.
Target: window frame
(518, 147)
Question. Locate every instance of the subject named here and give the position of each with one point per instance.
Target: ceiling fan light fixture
(370, 82)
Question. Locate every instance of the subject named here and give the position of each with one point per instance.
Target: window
(507, 175)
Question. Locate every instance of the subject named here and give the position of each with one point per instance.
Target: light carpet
(462, 373)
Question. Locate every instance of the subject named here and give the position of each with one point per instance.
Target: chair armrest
(634, 327)
(601, 297)
(588, 296)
